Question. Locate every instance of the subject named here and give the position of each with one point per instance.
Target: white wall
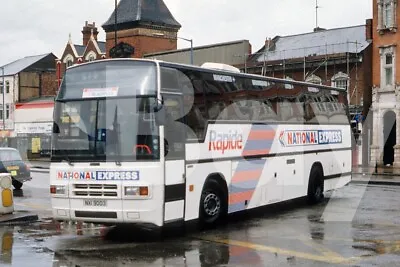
(39, 114)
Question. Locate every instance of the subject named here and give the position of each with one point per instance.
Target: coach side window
(194, 106)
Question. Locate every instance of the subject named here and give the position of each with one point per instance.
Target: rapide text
(225, 141)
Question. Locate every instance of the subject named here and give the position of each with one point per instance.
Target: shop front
(33, 140)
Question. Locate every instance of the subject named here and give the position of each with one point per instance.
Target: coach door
(174, 135)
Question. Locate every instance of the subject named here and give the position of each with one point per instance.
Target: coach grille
(95, 190)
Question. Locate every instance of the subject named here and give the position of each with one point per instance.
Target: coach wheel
(17, 185)
(212, 203)
(316, 186)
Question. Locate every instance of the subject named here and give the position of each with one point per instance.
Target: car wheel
(17, 185)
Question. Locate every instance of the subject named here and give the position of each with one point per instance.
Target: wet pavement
(358, 226)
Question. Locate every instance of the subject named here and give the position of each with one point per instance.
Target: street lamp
(3, 88)
(185, 39)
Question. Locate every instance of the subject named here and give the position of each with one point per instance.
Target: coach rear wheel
(212, 203)
(316, 186)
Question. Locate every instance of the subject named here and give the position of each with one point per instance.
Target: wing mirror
(159, 112)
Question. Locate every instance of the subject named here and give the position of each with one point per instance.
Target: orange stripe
(255, 152)
(249, 175)
(261, 135)
(240, 197)
(237, 251)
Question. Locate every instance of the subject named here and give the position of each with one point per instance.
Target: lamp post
(181, 38)
(191, 47)
(3, 89)
(115, 22)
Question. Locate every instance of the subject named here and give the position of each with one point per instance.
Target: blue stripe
(243, 186)
(236, 207)
(258, 127)
(250, 165)
(258, 144)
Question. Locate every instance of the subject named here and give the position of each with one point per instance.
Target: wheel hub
(212, 204)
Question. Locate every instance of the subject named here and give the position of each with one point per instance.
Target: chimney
(87, 32)
(268, 43)
(368, 29)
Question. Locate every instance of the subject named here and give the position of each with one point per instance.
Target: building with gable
(90, 49)
(142, 27)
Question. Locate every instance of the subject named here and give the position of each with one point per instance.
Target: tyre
(316, 186)
(17, 185)
(213, 204)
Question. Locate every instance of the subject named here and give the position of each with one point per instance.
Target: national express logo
(304, 138)
(225, 141)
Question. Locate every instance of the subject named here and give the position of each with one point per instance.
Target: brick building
(90, 49)
(143, 27)
(338, 57)
(385, 149)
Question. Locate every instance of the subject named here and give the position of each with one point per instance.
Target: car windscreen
(9, 155)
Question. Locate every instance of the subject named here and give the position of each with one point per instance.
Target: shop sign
(33, 128)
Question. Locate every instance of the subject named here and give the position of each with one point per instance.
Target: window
(1, 112)
(7, 87)
(314, 79)
(1, 87)
(7, 111)
(386, 14)
(69, 60)
(387, 66)
(340, 80)
(91, 56)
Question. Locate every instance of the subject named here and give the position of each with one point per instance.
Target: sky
(32, 27)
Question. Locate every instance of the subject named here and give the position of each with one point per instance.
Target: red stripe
(247, 175)
(255, 152)
(34, 105)
(240, 197)
(262, 135)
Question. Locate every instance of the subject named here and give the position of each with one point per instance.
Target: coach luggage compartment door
(174, 138)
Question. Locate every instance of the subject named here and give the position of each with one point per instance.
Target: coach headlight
(58, 189)
(136, 191)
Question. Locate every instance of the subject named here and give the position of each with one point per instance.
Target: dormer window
(68, 60)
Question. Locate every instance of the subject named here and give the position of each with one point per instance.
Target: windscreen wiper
(66, 157)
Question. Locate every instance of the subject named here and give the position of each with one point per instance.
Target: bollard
(6, 200)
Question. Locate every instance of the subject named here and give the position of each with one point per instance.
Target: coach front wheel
(212, 204)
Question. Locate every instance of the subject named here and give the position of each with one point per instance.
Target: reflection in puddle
(7, 240)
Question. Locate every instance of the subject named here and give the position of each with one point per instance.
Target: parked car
(11, 162)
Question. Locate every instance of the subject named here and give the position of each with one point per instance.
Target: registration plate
(13, 173)
(95, 202)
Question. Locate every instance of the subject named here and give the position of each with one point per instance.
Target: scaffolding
(311, 60)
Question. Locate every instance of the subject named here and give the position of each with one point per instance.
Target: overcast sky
(31, 27)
